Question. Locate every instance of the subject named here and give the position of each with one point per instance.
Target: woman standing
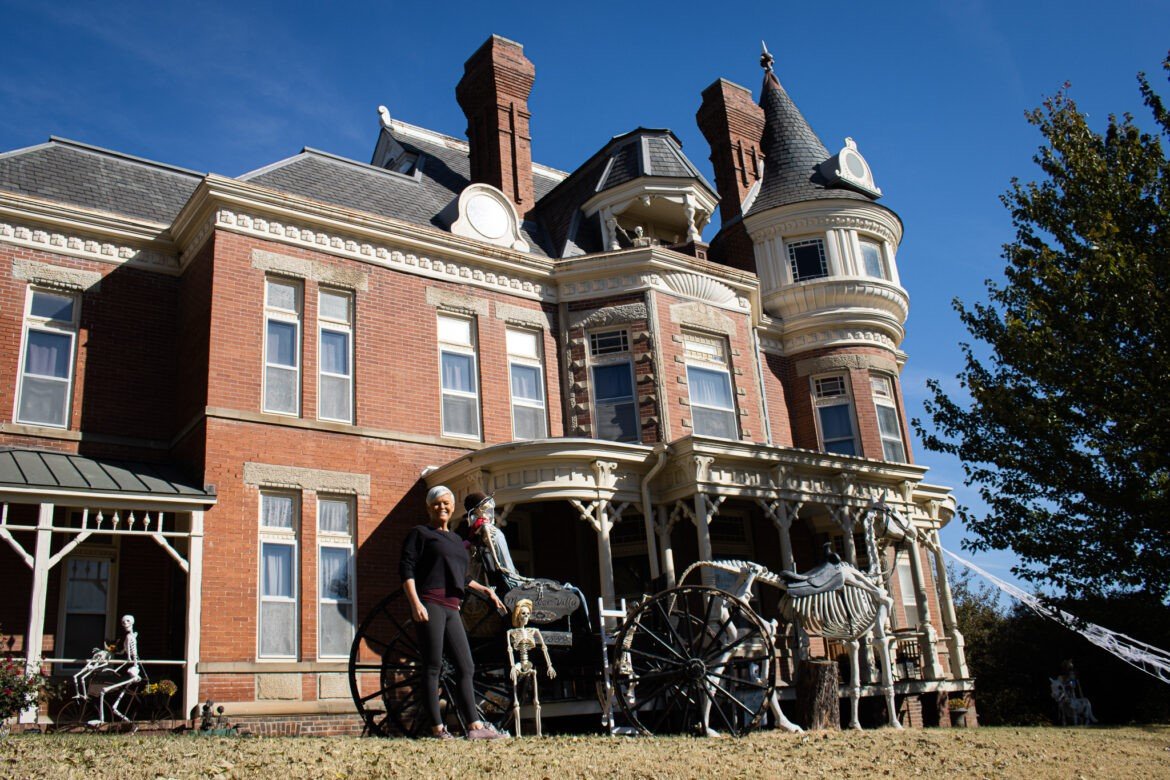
(434, 575)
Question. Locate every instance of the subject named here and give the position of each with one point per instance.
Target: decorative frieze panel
(452, 301)
(842, 362)
(807, 340)
(322, 273)
(359, 248)
(701, 288)
(518, 315)
(296, 478)
(610, 315)
(47, 275)
(697, 315)
(591, 288)
(79, 245)
(812, 223)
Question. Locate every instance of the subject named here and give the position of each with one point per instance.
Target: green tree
(1067, 433)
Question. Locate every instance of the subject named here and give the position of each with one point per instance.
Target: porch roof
(26, 470)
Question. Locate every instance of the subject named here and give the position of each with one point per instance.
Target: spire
(792, 151)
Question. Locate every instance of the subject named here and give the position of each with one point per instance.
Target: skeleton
(99, 660)
(130, 668)
(848, 606)
(521, 641)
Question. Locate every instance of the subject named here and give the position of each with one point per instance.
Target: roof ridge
(463, 146)
(122, 155)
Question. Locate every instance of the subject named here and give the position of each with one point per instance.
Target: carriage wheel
(693, 658)
(393, 708)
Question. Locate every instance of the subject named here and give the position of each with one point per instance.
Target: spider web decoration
(1151, 660)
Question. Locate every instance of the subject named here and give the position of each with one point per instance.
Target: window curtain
(335, 352)
(709, 388)
(458, 372)
(333, 516)
(278, 570)
(47, 355)
(278, 511)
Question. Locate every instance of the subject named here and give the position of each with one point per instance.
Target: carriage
(691, 659)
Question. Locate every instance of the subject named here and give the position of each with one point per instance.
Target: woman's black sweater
(434, 559)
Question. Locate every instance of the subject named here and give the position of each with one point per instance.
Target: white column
(929, 636)
(950, 621)
(783, 522)
(605, 554)
(663, 527)
(702, 519)
(35, 636)
(845, 521)
(194, 613)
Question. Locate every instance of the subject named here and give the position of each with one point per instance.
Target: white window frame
(55, 327)
(335, 540)
(823, 400)
(107, 553)
(291, 317)
(906, 589)
(882, 389)
(880, 246)
(287, 537)
(345, 328)
(796, 243)
(467, 348)
(607, 348)
(527, 359)
(709, 353)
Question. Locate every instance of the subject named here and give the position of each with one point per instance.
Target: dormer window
(806, 259)
(404, 163)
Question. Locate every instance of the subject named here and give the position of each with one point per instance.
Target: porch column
(663, 528)
(947, 601)
(929, 643)
(782, 514)
(844, 519)
(705, 509)
(194, 613)
(35, 636)
(605, 554)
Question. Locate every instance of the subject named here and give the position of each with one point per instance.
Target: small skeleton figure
(481, 516)
(99, 660)
(522, 640)
(129, 668)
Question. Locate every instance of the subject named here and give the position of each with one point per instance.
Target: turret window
(835, 414)
(807, 259)
(872, 263)
(887, 414)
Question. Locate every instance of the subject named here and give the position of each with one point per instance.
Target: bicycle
(144, 705)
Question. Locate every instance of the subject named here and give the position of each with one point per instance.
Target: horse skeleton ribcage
(843, 614)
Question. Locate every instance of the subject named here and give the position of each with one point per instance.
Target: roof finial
(766, 59)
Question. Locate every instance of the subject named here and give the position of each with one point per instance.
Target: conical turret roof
(792, 155)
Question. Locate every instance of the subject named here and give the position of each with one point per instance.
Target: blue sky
(933, 93)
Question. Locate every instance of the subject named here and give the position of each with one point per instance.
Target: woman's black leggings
(446, 627)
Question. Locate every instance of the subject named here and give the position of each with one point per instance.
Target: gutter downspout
(648, 510)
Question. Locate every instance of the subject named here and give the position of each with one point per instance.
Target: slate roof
(56, 471)
(442, 173)
(91, 177)
(792, 152)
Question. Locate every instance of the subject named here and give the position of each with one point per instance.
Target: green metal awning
(33, 471)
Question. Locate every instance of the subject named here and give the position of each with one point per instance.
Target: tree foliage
(1067, 434)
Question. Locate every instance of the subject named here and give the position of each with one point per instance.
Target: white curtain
(333, 516)
(278, 511)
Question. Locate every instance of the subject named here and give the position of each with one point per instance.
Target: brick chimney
(733, 125)
(493, 94)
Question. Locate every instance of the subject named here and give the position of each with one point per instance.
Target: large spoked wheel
(693, 660)
(73, 717)
(386, 645)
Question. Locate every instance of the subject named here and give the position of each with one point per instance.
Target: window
(86, 605)
(888, 423)
(282, 347)
(460, 385)
(614, 404)
(835, 414)
(404, 163)
(46, 371)
(712, 401)
(335, 567)
(906, 586)
(871, 259)
(807, 259)
(529, 420)
(335, 380)
(278, 575)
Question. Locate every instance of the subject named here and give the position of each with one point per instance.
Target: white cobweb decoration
(1151, 660)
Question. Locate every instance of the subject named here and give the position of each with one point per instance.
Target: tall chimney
(733, 125)
(493, 94)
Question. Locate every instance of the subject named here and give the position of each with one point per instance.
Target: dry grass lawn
(1031, 753)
